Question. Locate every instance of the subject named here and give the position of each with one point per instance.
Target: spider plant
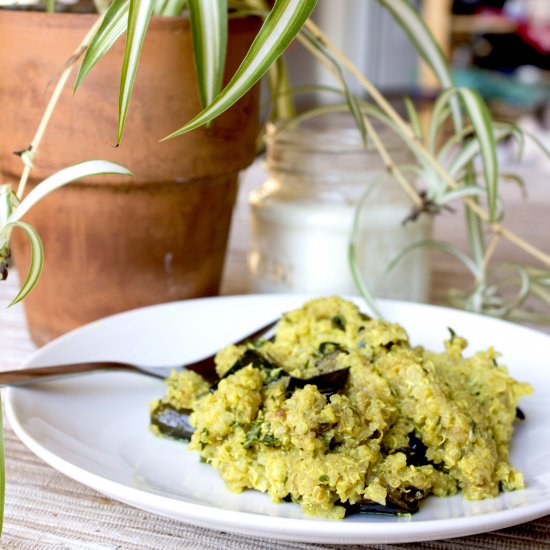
(209, 23)
(501, 290)
(447, 168)
(12, 209)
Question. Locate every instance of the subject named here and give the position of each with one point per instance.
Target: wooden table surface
(45, 509)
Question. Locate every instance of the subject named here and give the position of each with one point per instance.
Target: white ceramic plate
(94, 428)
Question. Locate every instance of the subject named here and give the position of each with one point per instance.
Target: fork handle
(32, 375)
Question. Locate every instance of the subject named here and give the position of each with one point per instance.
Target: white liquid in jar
(302, 246)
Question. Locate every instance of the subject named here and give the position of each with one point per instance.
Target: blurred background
(501, 48)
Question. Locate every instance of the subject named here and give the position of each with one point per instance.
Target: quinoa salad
(341, 414)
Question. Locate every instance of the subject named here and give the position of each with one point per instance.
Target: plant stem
(409, 133)
(37, 139)
(391, 167)
(283, 106)
(491, 249)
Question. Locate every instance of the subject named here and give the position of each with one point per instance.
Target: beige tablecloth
(45, 509)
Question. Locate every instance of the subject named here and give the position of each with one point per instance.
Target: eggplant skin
(172, 422)
(327, 384)
(398, 503)
(370, 507)
(257, 360)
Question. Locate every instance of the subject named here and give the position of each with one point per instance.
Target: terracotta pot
(114, 243)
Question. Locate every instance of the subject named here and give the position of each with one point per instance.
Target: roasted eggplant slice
(369, 507)
(328, 384)
(257, 360)
(339, 322)
(407, 500)
(397, 502)
(415, 452)
(172, 422)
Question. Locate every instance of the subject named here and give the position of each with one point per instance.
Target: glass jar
(302, 215)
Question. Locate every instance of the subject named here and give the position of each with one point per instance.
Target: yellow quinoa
(400, 423)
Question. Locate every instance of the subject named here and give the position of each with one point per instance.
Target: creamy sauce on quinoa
(340, 413)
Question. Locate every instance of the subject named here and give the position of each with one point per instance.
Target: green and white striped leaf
(279, 29)
(111, 29)
(436, 245)
(412, 23)
(63, 177)
(139, 15)
(507, 129)
(209, 33)
(518, 180)
(456, 143)
(169, 8)
(410, 20)
(523, 283)
(462, 192)
(475, 235)
(37, 260)
(537, 142)
(8, 200)
(483, 129)
(6, 203)
(414, 118)
(280, 92)
(476, 238)
(440, 113)
(481, 121)
(539, 275)
(470, 150)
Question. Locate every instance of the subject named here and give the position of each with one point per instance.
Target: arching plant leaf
(63, 177)
(139, 15)
(37, 260)
(482, 126)
(209, 32)
(436, 245)
(280, 27)
(111, 29)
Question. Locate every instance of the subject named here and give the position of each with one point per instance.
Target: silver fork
(204, 367)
